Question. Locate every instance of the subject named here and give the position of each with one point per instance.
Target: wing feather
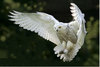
(39, 22)
(76, 13)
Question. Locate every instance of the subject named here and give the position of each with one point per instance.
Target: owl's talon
(58, 55)
(65, 51)
(62, 56)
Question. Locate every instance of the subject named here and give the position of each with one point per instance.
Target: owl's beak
(57, 30)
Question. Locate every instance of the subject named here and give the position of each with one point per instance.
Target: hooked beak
(57, 30)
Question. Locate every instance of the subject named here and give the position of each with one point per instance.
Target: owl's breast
(67, 34)
(62, 35)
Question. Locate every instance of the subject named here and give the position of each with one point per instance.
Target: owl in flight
(68, 37)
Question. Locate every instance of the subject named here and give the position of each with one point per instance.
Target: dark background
(22, 47)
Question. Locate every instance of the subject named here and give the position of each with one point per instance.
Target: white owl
(68, 37)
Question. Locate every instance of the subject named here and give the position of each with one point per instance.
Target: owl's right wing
(39, 22)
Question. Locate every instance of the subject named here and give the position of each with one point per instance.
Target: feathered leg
(61, 50)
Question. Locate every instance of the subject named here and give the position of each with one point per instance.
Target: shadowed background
(22, 47)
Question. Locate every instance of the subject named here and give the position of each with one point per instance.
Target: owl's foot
(61, 52)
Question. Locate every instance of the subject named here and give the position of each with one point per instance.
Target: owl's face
(60, 26)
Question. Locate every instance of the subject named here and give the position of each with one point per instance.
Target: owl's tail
(72, 51)
(67, 53)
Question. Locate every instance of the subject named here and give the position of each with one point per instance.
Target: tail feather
(68, 53)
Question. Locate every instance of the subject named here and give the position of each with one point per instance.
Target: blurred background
(22, 47)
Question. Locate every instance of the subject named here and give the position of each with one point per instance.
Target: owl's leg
(61, 50)
(69, 45)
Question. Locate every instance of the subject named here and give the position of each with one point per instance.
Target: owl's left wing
(77, 14)
(79, 25)
(78, 17)
(77, 28)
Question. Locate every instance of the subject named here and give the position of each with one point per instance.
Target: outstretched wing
(77, 14)
(78, 17)
(39, 22)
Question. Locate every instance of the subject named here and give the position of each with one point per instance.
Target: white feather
(37, 22)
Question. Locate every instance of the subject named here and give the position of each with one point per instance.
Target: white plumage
(68, 37)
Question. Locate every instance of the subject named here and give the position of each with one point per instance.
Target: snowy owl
(68, 37)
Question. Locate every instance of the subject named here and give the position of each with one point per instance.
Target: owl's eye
(59, 27)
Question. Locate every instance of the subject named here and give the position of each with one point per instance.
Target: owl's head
(59, 26)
